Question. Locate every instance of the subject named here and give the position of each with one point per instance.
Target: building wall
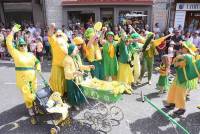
(54, 12)
(38, 15)
(58, 14)
(160, 13)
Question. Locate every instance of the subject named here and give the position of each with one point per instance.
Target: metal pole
(167, 116)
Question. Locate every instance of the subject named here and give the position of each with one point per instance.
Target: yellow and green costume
(177, 92)
(59, 51)
(71, 65)
(163, 80)
(25, 64)
(109, 58)
(148, 54)
(125, 72)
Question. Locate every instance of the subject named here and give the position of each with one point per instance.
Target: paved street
(139, 117)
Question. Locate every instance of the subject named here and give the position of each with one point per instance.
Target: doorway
(107, 16)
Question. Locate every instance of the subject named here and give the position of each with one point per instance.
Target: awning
(134, 15)
(106, 2)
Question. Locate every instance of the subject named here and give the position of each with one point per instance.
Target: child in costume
(164, 70)
(109, 56)
(178, 90)
(58, 43)
(125, 72)
(94, 53)
(26, 65)
(73, 76)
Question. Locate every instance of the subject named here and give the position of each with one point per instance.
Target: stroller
(41, 107)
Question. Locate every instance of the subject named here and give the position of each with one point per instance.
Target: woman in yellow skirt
(26, 65)
(125, 72)
(59, 46)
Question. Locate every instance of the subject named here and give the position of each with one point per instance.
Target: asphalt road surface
(139, 117)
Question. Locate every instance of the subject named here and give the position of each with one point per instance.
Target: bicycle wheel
(102, 109)
(116, 113)
(104, 125)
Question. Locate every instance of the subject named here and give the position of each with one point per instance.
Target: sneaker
(149, 82)
(179, 112)
(170, 106)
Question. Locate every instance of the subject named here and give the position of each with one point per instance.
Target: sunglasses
(22, 45)
(58, 35)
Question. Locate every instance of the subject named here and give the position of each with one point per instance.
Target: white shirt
(196, 41)
(32, 30)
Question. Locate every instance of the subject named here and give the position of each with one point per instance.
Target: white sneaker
(149, 82)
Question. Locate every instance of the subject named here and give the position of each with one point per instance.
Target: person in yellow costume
(94, 53)
(73, 69)
(59, 46)
(26, 65)
(177, 93)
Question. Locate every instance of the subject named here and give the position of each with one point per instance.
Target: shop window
(192, 21)
(135, 18)
(76, 18)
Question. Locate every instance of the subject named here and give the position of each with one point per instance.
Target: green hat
(89, 33)
(21, 41)
(135, 35)
(71, 49)
(190, 47)
(110, 33)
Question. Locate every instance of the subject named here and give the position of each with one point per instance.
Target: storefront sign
(188, 6)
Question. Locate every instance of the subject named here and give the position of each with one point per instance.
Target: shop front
(110, 12)
(22, 12)
(188, 16)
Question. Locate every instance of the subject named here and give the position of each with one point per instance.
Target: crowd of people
(120, 53)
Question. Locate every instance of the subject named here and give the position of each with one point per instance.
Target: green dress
(163, 80)
(110, 64)
(74, 93)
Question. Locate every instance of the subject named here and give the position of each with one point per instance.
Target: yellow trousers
(57, 79)
(26, 80)
(177, 96)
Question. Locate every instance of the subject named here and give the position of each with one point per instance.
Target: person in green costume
(125, 71)
(149, 50)
(73, 76)
(134, 54)
(109, 56)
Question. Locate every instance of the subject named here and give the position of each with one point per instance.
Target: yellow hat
(78, 41)
(191, 47)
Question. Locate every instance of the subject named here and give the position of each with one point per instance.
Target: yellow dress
(25, 63)
(59, 51)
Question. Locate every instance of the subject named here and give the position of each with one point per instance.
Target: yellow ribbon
(111, 50)
(184, 72)
(195, 67)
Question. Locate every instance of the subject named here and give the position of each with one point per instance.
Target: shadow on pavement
(158, 124)
(16, 120)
